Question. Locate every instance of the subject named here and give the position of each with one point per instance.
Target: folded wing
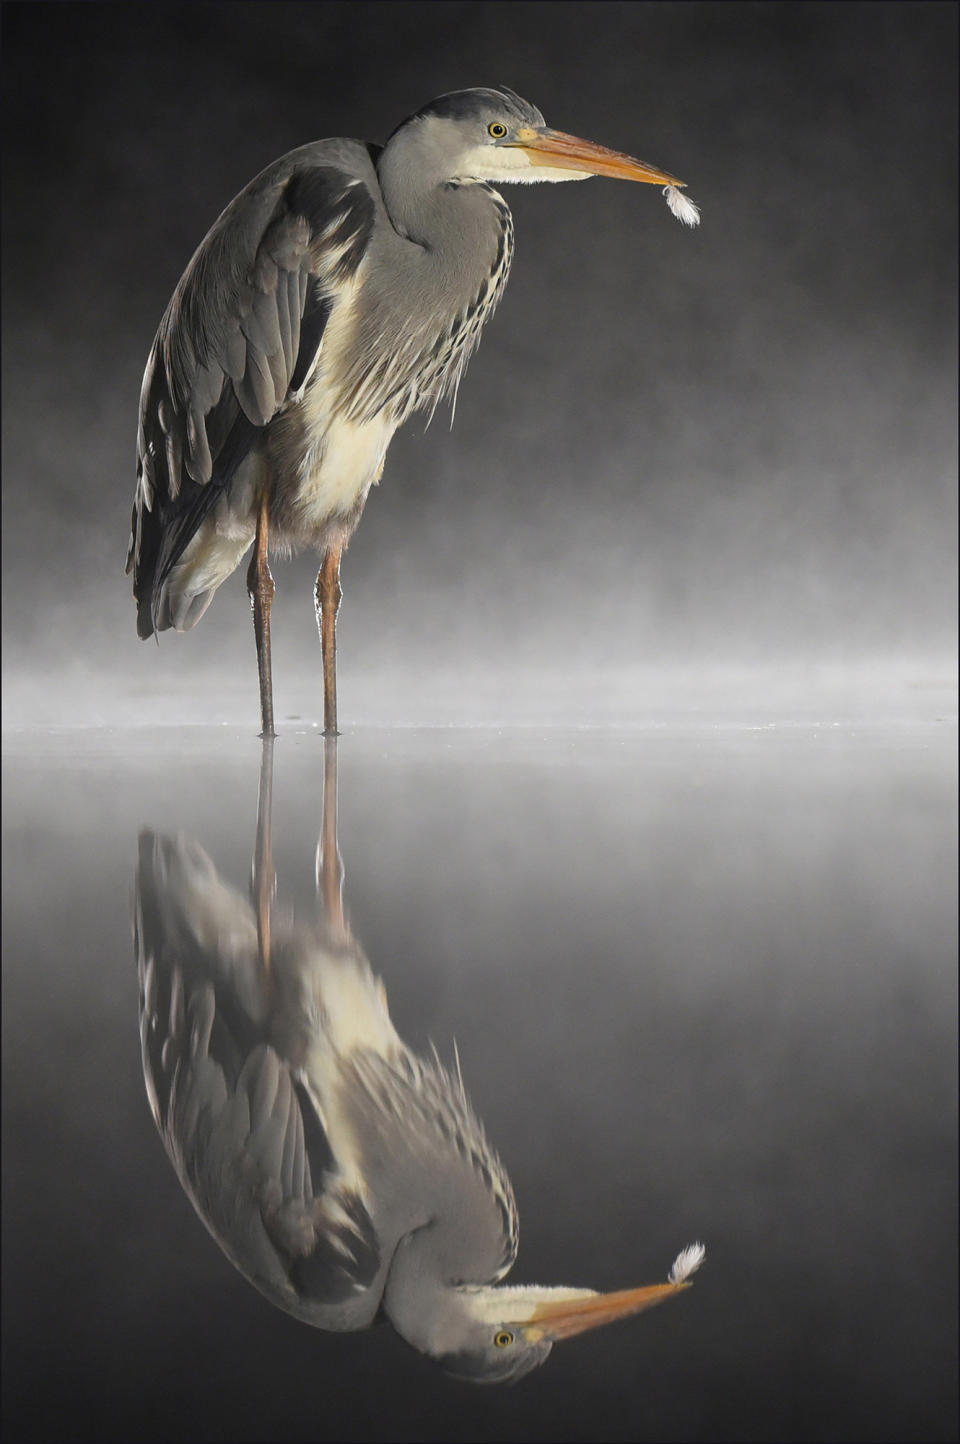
(239, 337)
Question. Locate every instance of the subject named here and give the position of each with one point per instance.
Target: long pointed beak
(553, 147)
(563, 1318)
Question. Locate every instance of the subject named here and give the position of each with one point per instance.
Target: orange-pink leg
(261, 589)
(328, 597)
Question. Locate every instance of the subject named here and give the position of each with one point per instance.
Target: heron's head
(505, 1331)
(494, 135)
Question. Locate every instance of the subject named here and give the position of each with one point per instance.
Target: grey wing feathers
(240, 1128)
(240, 333)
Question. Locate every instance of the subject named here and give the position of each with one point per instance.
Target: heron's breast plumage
(397, 341)
(443, 367)
(421, 308)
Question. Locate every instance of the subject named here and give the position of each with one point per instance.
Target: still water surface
(702, 983)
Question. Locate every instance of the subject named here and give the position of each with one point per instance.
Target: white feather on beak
(682, 207)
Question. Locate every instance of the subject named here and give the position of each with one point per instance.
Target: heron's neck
(426, 208)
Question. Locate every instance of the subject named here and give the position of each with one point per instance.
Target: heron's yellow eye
(504, 1337)
(498, 131)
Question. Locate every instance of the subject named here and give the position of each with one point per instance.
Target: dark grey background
(734, 445)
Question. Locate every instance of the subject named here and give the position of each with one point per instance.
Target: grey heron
(342, 290)
(347, 1177)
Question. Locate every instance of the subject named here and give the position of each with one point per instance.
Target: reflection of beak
(562, 1318)
(553, 147)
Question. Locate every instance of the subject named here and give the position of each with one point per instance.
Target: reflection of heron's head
(513, 1328)
(501, 1358)
(496, 1333)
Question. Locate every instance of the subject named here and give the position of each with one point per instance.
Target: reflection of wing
(236, 1117)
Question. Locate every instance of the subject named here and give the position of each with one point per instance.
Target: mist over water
(648, 689)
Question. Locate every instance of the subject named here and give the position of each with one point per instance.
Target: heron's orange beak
(563, 1318)
(553, 147)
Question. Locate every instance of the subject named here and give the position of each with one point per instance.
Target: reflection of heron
(343, 1174)
(342, 290)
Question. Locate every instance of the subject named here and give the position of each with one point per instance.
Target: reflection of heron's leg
(328, 597)
(329, 861)
(264, 881)
(260, 587)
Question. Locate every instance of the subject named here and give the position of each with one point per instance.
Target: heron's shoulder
(353, 159)
(317, 181)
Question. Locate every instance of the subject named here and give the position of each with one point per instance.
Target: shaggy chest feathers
(384, 355)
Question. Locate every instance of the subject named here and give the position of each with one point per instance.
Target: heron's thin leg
(261, 589)
(329, 861)
(263, 882)
(328, 597)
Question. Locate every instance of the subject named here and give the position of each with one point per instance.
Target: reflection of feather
(682, 206)
(687, 1261)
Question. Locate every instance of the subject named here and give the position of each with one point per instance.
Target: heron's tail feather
(187, 590)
